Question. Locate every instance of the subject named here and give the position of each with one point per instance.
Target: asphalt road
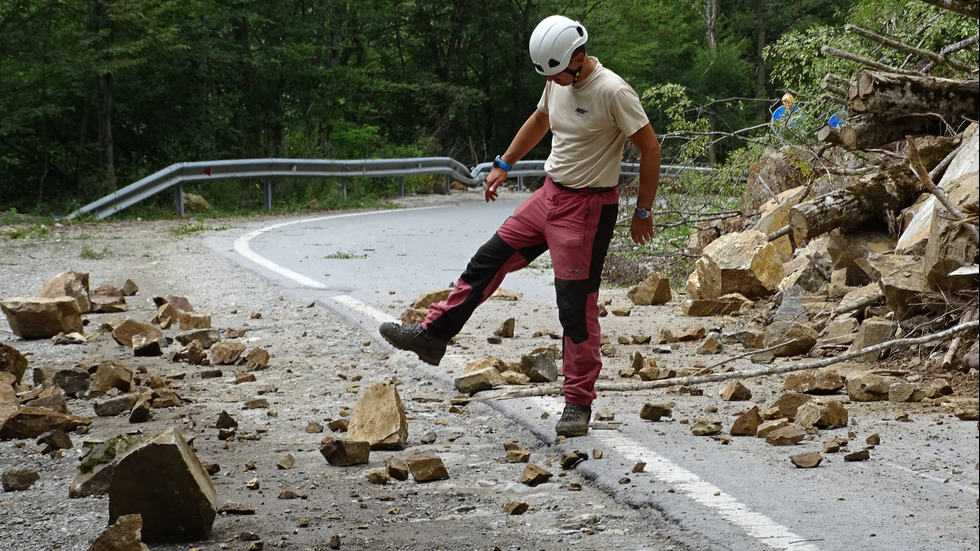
(920, 490)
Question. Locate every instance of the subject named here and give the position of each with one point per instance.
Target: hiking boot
(414, 338)
(574, 420)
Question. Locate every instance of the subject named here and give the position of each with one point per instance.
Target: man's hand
(495, 179)
(641, 230)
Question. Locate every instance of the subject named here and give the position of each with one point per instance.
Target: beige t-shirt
(590, 122)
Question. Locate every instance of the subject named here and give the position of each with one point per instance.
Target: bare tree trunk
(849, 207)
(878, 131)
(761, 75)
(895, 94)
(106, 143)
(711, 19)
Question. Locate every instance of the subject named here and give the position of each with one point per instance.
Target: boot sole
(425, 358)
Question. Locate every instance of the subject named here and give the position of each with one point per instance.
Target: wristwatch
(499, 163)
(642, 213)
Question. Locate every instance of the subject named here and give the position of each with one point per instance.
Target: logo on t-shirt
(581, 112)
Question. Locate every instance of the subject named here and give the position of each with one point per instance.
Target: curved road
(919, 492)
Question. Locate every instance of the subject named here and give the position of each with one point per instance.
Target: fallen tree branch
(750, 353)
(953, 48)
(858, 304)
(865, 61)
(964, 7)
(936, 58)
(719, 377)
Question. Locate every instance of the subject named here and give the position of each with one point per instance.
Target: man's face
(565, 78)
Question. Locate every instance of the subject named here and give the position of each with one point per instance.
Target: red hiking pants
(576, 226)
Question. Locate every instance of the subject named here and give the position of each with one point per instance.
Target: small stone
(806, 460)
(570, 459)
(814, 382)
(518, 456)
(786, 436)
(426, 468)
(747, 424)
(711, 344)
(515, 508)
(861, 455)
(822, 414)
(506, 329)
(378, 476)
(736, 392)
(534, 475)
(770, 426)
(257, 359)
(397, 469)
(484, 379)
(18, 480)
(867, 387)
(226, 421)
(313, 427)
(287, 462)
(341, 452)
(705, 426)
(226, 352)
(654, 412)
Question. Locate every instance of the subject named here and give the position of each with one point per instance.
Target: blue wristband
(499, 163)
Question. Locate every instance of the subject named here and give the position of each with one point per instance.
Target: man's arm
(645, 140)
(531, 132)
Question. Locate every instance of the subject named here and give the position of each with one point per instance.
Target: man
(590, 112)
(786, 110)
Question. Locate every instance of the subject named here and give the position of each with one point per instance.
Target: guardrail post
(179, 190)
(520, 183)
(267, 194)
(401, 186)
(447, 180)
(343, 187)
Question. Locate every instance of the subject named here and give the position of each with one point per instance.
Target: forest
(95, 94)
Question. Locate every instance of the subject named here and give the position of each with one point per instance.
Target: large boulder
(31, 422)
(902, 280)
(379, 418)
(774, 217)
(915, 236)
(950, 245)
(163, 481)
(70, 284)
(748, 263)
(42, 318)
(653, 290)
(13, 362)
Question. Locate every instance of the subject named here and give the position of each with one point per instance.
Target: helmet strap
(576, 73)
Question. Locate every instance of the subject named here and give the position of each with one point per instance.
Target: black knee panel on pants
(571, 296)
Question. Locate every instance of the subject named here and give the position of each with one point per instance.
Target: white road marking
(757, 525)
(358, 306)
(936, 479)
(242, 246)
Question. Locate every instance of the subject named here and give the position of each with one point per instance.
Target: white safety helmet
(552, 44)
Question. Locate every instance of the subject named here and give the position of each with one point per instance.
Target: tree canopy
(98, 93)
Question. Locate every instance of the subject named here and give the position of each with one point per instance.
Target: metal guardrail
(178, 174)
